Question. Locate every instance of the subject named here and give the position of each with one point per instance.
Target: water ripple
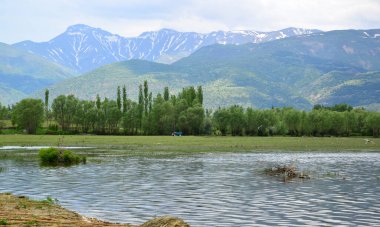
(210, 189)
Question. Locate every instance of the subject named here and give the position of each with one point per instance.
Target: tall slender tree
(146, 98)
(118, 98)
(140, 106)
(98, 102)
(124, 99)
(47, 104)
(200, 95)
(166, 94)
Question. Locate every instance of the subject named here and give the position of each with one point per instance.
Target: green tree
(146, 97)
(200, 95)
(28, 114)
(221, 120)
(166, 94)
(130, 120)
(292, 120)
(98, 101)
(64, 109)
(372, 122)
(162, 116)
(118, 98)
(47, 104)
(125, 103)
(237, 120)
(252, 122)
(140, 105)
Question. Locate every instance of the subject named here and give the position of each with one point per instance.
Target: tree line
(167, 113)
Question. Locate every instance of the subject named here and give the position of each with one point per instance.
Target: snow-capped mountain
(83, 48)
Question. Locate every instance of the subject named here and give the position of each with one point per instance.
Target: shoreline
(20, 210)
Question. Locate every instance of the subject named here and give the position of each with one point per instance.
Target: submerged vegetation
(167, 113)
(288, 172)
(54, 157)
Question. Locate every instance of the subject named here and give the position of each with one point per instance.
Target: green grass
(3, 222)
(54, 157)
(197, 143)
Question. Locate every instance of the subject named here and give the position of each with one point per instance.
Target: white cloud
(41, 20)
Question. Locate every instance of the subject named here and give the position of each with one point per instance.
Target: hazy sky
(41, 20)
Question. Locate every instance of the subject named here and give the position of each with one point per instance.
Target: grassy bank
(198, 144)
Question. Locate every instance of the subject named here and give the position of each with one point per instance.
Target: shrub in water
(54, 156)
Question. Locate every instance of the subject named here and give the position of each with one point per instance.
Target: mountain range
(83, 48)
(290, 67)
(300, 71)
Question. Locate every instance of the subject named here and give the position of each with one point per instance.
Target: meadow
(198, 143)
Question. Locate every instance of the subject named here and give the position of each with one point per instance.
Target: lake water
(216, 189)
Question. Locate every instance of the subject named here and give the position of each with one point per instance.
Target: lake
(210, 189)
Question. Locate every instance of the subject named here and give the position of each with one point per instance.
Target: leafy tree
(85, 116)
(208, 122)
(221, 120)
(292, 119)
(130, 119)
(252, 123)
(372, 122)
(64, 109)
(113, 116)
(193, 120)
(28, 114)
(162, 116)
(3, 112)
(237, 120)
(3, 115)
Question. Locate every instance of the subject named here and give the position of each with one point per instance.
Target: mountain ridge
(299, 71)
(84, 48)
(22, 73)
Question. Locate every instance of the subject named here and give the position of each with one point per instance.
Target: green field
(198, 143)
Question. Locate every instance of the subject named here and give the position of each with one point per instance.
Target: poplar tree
(200, 95)
(124, 99)
(98, 102)
(118, 98)
(166, 94)
(47, 104)
(146, 93)
(140, 105)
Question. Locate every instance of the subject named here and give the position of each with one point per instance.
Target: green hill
(25, 73)
(325, 68)
(10, 95)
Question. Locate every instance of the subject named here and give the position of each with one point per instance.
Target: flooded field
(211, 189)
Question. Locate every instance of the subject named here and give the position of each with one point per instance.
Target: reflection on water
(210, 189)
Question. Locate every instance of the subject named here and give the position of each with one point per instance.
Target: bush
(54, 157)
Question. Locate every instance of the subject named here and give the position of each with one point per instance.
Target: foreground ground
(21, 211)
(199, 143)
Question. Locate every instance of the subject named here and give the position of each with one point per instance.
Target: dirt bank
(21, 211)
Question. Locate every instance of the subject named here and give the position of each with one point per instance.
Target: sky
(42, 20)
